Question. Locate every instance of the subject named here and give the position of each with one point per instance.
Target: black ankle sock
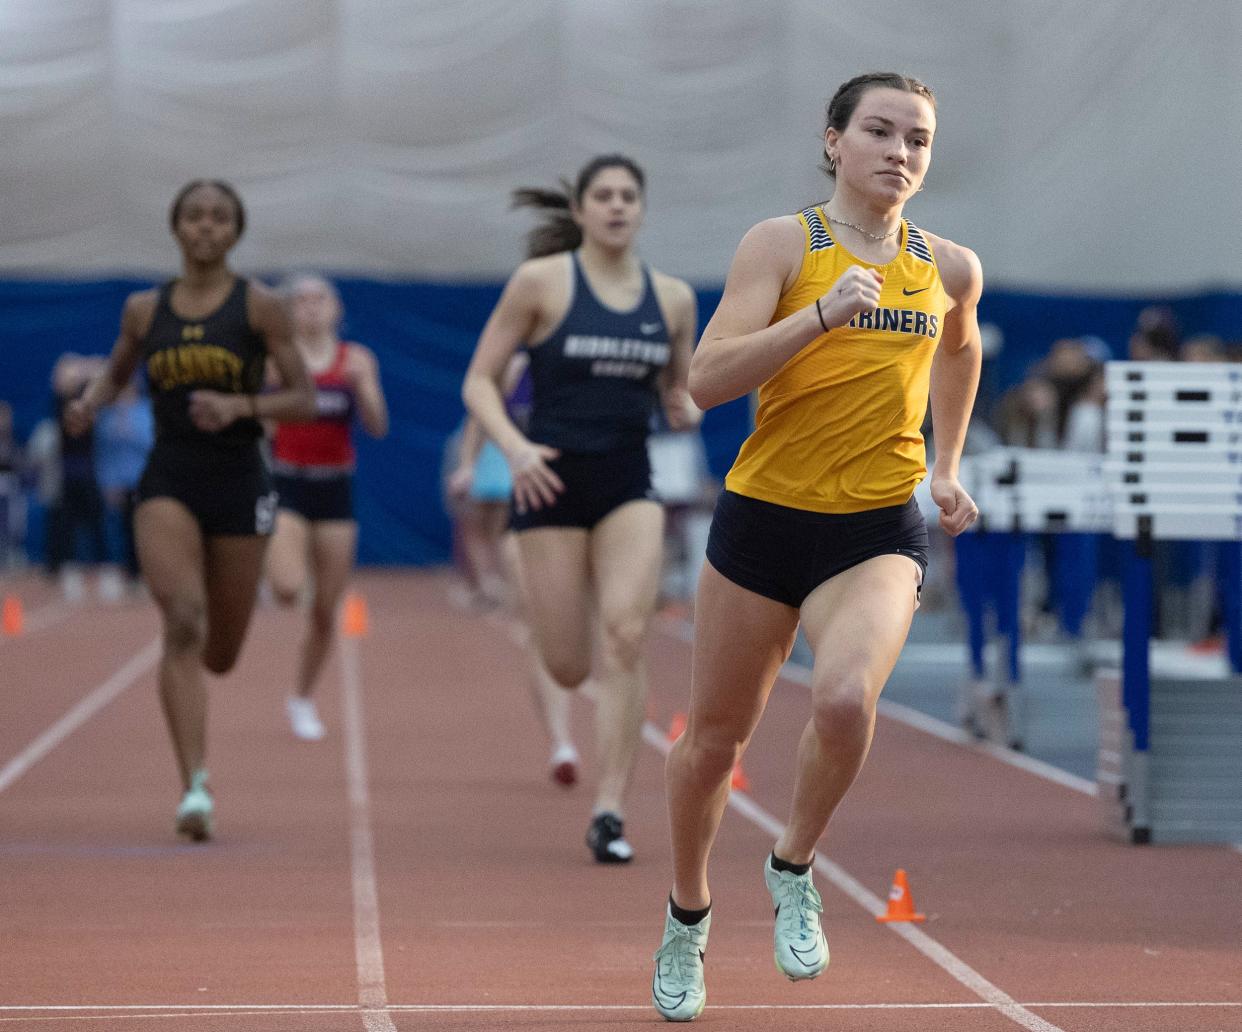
(784, 865)
(687, 917)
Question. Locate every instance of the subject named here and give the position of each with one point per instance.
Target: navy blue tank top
(221, 352)
(594, 378)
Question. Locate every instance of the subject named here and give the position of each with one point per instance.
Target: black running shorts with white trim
(596, 484)
(784, 554)
(228, 491)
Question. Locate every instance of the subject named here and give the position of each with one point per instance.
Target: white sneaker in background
(110, 586)
(304, 719)
(72, 584)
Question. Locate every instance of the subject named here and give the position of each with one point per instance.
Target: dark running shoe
(606, 840)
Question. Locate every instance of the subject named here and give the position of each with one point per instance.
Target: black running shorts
(314, 494)
(228, 492)
(596, 484)
(784, 554)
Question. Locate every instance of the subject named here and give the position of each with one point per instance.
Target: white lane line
(96, 700)
(173, 1010)
(683, 630)
(368, 947)
(872, 903)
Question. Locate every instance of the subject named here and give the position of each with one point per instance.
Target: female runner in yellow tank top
(844, 317)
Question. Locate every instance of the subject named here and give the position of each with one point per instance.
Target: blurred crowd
(67, 499)
(1060, 404)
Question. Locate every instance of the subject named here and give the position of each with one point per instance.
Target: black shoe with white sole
(606, 840)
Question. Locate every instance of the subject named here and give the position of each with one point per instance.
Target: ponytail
(558, 231)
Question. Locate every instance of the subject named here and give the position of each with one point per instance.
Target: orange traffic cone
(354, 621)
(12, 617)
(676, 727)
(900, 902)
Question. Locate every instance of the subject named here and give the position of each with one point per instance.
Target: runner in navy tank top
(206, 505)
(608, 338)
(313, 462)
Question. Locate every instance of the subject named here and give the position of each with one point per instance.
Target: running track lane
(486, 897)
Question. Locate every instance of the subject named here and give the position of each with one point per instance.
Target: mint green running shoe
(677, 989)
(194, 812)
(800, 945)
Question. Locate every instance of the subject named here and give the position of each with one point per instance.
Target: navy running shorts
(784, 554)
(228, 491)
(314, 494)
(596, 484)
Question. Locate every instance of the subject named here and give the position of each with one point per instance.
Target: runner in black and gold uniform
(844, 317)
(206, 505)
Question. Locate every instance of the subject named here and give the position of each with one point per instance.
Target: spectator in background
(1156, 336)
(1068, 369)
(1203, 347)
(43, 469)
(12, 511)
(1026, 414)
(80, 505)
(1085, 418)
(477, 490)
(124, 434)
(10, 451)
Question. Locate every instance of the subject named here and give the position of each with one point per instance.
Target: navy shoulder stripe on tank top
(594, 379)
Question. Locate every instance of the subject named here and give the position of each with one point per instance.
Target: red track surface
(489, 913)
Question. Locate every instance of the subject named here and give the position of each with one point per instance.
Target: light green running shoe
(800, 945)
(194, 813)
(677, 989)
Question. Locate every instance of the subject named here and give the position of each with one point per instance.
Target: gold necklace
(877, 237)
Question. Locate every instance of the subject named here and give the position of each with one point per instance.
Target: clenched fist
(856, 290)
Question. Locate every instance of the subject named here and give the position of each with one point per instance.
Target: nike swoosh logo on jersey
(649, 327)
(911, 293)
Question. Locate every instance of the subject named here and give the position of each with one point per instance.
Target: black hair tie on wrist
(820, 312)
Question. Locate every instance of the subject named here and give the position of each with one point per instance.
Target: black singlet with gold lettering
(220, 476)
(219, 353)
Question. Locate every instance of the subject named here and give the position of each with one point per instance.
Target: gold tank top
(837, 427)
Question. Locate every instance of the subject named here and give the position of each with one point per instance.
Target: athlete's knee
(285, 590)
(568, 671)
(220, 657)
(622, 639)
(185, 625)
(709, 754)
(842, 708)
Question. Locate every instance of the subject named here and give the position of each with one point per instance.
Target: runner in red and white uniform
(313, 466)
